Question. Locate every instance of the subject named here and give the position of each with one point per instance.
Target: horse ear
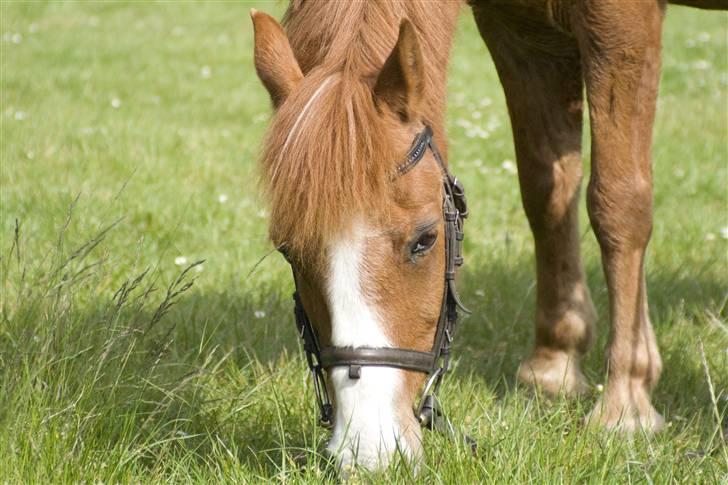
(401, 81)
(275, 63)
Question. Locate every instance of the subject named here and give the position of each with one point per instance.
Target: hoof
(553, 372)
(626, 413)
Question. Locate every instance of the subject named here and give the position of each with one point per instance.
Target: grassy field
(129, 142)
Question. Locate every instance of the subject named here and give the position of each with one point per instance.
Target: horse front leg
(543, 85)
(620, 48)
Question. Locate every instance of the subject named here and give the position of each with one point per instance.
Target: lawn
(129, 141)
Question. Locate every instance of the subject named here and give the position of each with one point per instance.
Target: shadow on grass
(222, 373)
(493, 340)
(499, 333)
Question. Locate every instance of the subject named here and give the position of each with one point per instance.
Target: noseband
(434, 363)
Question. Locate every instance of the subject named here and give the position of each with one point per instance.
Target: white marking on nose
(366, 427)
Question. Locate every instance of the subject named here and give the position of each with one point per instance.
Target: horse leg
(543, 91)
(620, 47)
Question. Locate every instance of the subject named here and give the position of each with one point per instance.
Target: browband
(416, 151)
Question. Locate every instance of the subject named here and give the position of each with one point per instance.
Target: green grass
(110, 372)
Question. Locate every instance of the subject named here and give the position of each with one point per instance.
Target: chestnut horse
(351, 89)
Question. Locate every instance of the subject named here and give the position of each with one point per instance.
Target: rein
(434, 363)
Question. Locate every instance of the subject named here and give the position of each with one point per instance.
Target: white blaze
(366, 429)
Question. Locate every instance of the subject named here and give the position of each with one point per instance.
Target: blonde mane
(326, 160)
(328, 157)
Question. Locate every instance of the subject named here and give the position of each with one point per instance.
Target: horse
(352, 85)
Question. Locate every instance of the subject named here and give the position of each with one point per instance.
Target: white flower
(20, 115)
(477, 115)
(17, 38)
(492, 124)
(115, 103)
(463, 123)
(222, 198)
(508, 166)
(259, 314)
(485, 102)
(180, 260)
(477, 132)
(480, 292)
(199, 268)
(205, 72)
(703, 36)
(600, 388)
(701, 65)
(724, 232)
(710, 236)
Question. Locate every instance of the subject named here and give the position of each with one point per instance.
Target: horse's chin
(376, 447)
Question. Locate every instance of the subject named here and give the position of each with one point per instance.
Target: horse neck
(360, 35)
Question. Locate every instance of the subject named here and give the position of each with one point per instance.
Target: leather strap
(419, 146)
(413, 360)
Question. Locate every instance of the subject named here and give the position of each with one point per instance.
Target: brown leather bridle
(434, 363)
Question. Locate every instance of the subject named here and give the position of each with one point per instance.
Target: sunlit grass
(129, 139)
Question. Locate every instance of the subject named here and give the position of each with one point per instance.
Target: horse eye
(424, 243)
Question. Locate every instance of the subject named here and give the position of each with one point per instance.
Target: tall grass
(143, 339)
